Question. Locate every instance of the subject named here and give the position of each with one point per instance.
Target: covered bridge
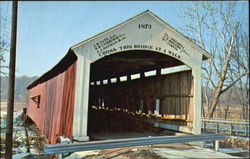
(141, 66)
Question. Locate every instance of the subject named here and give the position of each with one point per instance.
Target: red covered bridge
(141, 66)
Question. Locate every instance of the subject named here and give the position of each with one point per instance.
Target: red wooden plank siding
(55, 114)
(53, 105)
(68, 101)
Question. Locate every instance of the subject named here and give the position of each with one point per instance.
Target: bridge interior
(139, 91)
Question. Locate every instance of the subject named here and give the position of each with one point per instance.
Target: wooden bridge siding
(32, 109)
(47, 116)
(55, 115)
(53, 106)
(176, 97)
(175, 92)
(68, 101)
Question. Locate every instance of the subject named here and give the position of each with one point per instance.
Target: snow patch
(17, 116)
(208, 144)
(135, 150)
(81, 154)
(65, 140)
(19, 136)
(231, 150)
(3, 113)
(190, 153)
(20, 156)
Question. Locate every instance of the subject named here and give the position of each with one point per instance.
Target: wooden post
(103, 102)
(204, 126)
(118, 80)
(231, 129)
(128, 78)
(141, 106)
(142, 76)
(11, 84)
(109, 81)
(217, 145)
(245, 129)
(157, 101)
(196, 72)
(158, 84)
(80, 118)
(217, 127)
(157, 107)
(60, 156)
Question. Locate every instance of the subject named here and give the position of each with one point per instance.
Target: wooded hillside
(20, 87)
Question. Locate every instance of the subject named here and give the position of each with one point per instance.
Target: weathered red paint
(55, 113)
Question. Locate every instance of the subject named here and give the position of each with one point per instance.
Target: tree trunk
(217, 94)
(218, 90)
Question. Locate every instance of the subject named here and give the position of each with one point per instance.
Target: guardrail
(106, 144)
(226, 126)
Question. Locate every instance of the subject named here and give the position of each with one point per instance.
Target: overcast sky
(46, 30)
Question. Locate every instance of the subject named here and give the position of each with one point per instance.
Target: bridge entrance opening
(139, 92)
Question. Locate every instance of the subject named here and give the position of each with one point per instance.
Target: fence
(231, 127)
(97, 145)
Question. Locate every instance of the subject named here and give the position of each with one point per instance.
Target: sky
(46, 30)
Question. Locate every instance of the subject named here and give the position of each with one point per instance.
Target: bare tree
(4, 34)
(218, 28)
(242, 46)
(2, 62)
(4, 40)
(226, 110)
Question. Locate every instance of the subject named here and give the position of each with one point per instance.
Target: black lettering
(144, 26)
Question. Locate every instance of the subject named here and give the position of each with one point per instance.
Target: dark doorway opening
(122, 98)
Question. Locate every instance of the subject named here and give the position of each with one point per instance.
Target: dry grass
(133, 152)
(18, 105)
(234, 112)
(235, 143)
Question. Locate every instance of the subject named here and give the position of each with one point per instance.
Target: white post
(217, 145)
(157, 107)
(80, 119)
(60, 156)
(197, 101)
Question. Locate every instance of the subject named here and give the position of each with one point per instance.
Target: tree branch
(232, 84)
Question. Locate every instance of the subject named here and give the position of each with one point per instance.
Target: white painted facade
(143, 32)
